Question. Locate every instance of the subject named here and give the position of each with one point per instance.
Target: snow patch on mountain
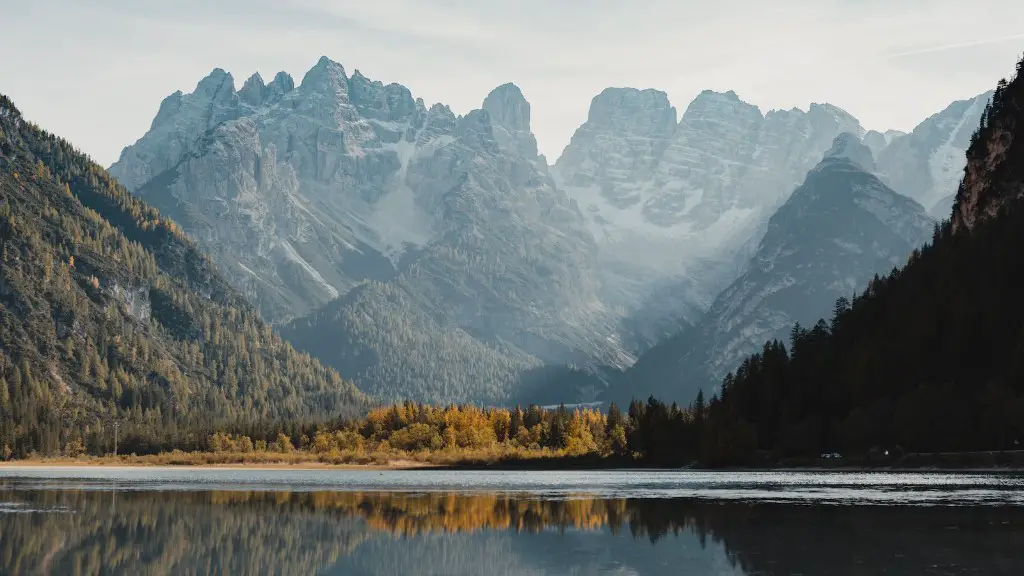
(946, 164)
(294, 256)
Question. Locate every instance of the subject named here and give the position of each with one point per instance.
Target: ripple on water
(881, 488)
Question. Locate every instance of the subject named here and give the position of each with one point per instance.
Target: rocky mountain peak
(510, 114)
(217, 85)
(253, 91)
(877, 141)
(374, 100)
(833, 116)
(282, 83)
(326, 77)
(848, 146)
(632, 110)
(626, 131)
(709, 102)
(508, 107)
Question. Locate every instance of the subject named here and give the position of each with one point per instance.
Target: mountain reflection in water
(76, 531)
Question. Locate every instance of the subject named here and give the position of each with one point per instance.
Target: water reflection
(75, 531)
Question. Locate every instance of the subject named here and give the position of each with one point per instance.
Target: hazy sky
(95, 71)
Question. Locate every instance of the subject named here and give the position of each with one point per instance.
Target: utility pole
(117, 424)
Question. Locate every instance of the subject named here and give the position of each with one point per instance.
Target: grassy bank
(500, 457)
(508, 458)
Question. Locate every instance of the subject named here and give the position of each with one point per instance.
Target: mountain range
(439, 257)
(459, 263)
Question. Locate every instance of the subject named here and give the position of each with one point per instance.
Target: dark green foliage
(108, 312)
(378, 335)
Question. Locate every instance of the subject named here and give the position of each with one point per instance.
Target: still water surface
(231, 521)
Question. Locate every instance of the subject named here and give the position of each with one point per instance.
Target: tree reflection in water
(267, 532)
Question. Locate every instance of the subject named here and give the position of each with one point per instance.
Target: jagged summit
(430, 235)
(622, 107)
(282, 82)
(848, 146)
(326, 77)
(253, 91)
(508, 107)
(216, 83)
(510, 113)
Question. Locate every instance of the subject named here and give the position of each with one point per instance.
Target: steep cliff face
(833, 234)
(617, 149)
(994, 176)
(445, 225)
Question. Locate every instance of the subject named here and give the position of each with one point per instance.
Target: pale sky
(95, 71)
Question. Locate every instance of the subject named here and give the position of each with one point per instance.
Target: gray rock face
(180, 121)
(836, 230)
(850, 147)
(877, 141)
(458, 261)
(617, 149)
(677, 208)
(510, 116)
(928, 163)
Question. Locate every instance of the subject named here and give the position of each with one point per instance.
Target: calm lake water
(230, 521)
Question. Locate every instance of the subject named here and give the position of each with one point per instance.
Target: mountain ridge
(345, 183)
(109, 312)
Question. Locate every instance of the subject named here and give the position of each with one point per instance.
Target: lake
(80, 520)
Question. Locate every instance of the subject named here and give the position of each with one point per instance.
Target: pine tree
(614, 418)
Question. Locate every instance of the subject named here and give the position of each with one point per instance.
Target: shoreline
(410, 465)
(268, 466)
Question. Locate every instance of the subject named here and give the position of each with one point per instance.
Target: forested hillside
(928, 358)
(108, 313)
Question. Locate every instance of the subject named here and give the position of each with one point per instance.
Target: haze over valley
(438, 257)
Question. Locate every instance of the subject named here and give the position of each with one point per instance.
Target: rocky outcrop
(994, 175)
(510, 116)
(615, 152)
